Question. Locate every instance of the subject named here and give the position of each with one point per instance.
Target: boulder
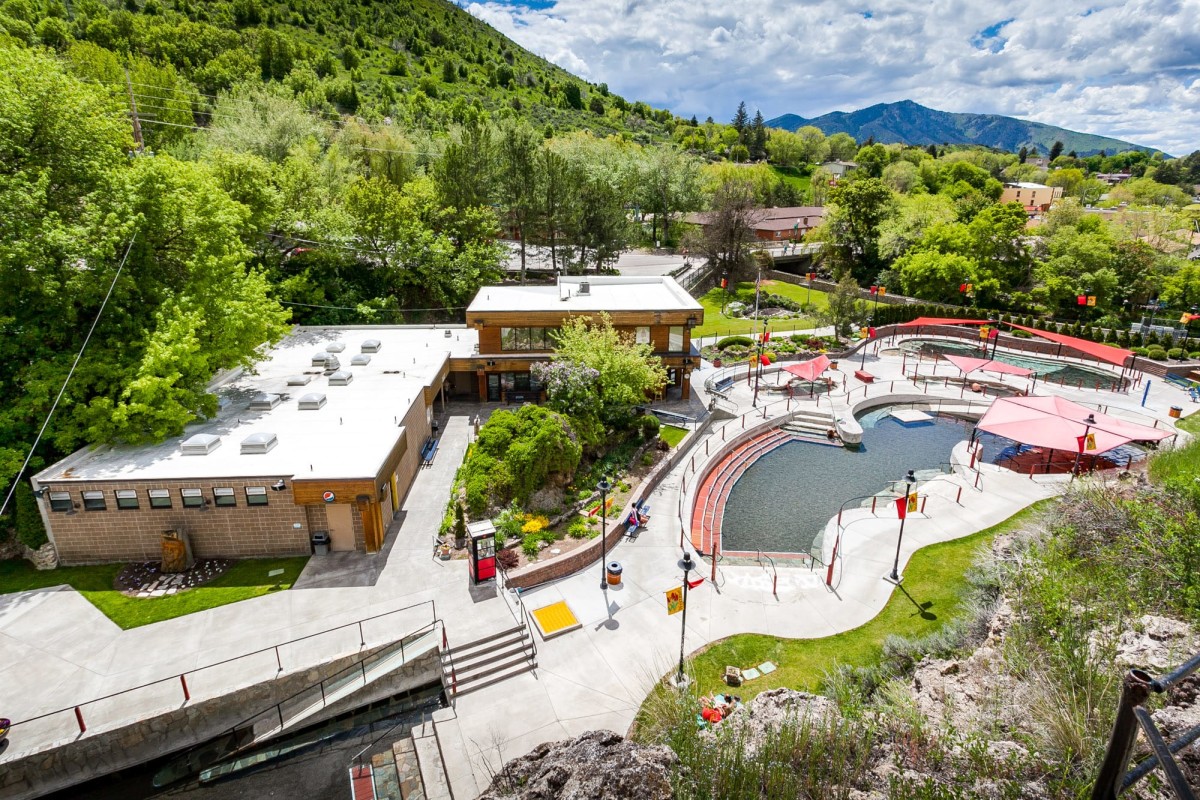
(599, 765)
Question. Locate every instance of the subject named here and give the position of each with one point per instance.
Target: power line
(63, 388)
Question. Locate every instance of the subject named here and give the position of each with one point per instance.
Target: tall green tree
(852, 226)
(627, 373)
(518, 178)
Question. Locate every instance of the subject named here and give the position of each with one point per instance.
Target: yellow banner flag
(1090, 444)
(983, 332)
(912, 504)
(674, 600)
(1091, 299)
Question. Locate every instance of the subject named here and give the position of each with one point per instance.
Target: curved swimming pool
(783, 501)
(1045, 369)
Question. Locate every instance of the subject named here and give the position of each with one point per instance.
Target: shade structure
(1101, 352)
(968, 364)
(1057, 424)
(919, 321)
(809, 370)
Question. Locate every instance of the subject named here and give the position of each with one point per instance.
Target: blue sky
(1124, 69)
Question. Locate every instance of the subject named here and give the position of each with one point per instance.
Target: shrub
(578, 529)
(1157, 354)
(735, 341)
(649, 425)
(1139, 351)
(1175, 353)
(534, 524)
(1194, 354)
(28, 522)
(460, 523)
(509, 522)
(507, 557)
(530, 545)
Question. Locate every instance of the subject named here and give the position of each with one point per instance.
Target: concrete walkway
(59, 650)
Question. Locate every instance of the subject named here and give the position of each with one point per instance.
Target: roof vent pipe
(584, 288)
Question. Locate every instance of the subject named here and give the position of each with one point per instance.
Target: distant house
(1041, 162)
(839, 169)
(1036, 197)
(786, 224)
(1113, 178)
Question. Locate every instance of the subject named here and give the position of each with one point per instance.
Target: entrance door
(340, 517)
(493, 392)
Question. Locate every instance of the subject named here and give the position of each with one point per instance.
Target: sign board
(328, 497)
(675, 600)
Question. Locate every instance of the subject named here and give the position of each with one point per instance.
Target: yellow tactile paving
(555, 618)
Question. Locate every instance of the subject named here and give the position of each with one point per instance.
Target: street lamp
(687, 565)
(1088, 422)
(762, 344)
(866, 343)
(603, 486)
(909, 480)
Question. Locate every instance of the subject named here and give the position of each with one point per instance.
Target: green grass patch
(672, 434)
(245, 579)
(1182, 461)
(792, 176)
(716, 322)
(931, 596)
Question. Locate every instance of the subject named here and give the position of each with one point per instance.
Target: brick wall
(91, 537)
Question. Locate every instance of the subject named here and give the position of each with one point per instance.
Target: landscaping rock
(1157, 644)
(45, 557)
(769, 710)
(599, 765)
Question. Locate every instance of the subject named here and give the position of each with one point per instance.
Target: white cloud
(1125, 69)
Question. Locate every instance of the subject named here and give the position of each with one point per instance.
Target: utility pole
(137, 124)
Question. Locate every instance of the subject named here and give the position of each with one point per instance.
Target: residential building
(515, 326)
(1036, 197)
(780, 224)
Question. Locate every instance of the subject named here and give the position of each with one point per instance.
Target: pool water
(783, 501)
(1056, 371)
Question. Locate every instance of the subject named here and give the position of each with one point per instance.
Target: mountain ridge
(909, 122)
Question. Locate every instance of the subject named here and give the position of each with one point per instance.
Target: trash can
(833, 364)
(1176, 411)
(320, 543)
(613, 570)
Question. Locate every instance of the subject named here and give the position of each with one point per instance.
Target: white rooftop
(605, 293)
(1027, 185)
(349, 436)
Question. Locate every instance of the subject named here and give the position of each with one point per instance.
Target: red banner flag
(901, 507)
(1081, 299)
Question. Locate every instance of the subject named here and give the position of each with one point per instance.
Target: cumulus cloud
(1125, 68)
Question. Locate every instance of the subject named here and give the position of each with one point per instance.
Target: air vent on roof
(298, 380)
(332, 364)
(360, 360)
(334, 347)
(258, 443)
(264, 402)
(312, 401)
(200, 444)
(341, 378)
(585, 288)
(319, 359)
(371, 346)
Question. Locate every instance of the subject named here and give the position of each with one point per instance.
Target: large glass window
(224, 496)
(127, 499)
(256, 495)
(527, 338)
(94, 501)
(192, 498)
(642, 336)
(160, 498)
(675, 339)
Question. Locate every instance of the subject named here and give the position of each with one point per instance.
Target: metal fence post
(186, 694)
(1135, 690)
(79, 719)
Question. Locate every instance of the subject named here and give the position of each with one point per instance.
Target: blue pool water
(783, 501)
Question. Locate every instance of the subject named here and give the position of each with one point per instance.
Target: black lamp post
(687, 565)
(909, 480)
(867, 341)
(604, 486)
(1088, 422)
(762, 344)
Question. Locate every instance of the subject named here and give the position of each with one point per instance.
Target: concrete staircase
(413, 769)
(489, 660)
(810, 423)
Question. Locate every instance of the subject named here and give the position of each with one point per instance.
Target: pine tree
(693, 122)
(1024, 154)
(758, 138)
(740, 120)
(932, 150)
(1056, 150)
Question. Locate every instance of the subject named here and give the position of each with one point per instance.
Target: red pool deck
(709, 508)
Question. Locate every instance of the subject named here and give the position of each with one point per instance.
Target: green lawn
(930, 596)
(245, 579)
(672, 434)
(801, 182)
(718, 323)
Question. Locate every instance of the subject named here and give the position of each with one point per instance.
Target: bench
(723, 385)
(428, 450)
(864, 376)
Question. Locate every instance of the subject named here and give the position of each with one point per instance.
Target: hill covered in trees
(907, 122)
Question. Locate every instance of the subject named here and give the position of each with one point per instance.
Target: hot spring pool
(1045, 369)
(783, 501)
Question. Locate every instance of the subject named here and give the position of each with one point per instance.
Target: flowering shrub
(534, 524)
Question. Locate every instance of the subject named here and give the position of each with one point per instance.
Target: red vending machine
(483, 550)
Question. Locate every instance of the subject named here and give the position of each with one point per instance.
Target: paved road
(632, 262)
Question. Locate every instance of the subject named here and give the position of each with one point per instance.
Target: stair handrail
(181, 677)
(521, 614)
(358, 665)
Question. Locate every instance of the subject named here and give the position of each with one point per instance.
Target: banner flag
(674, 600)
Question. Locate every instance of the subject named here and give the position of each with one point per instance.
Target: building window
(527, 338)
(642, 335)
(192, 498)
(94, 501)
(60, 501)
(127, 499)
(224, 496)
(675, 339)
(160, 498)
(256, 495)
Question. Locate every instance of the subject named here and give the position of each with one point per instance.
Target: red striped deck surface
(709, 509)
(361, 783)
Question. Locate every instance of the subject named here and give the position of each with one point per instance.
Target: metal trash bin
(1176, 411)
(613, 571)
(320, 543)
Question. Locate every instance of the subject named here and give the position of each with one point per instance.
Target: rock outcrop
(599, 765)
